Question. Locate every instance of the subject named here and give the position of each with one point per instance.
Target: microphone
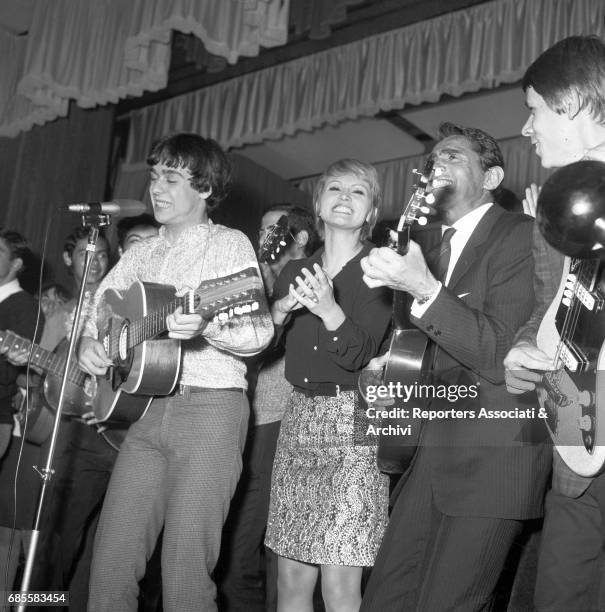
(122, 208)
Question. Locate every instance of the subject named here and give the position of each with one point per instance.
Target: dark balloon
(571, 209)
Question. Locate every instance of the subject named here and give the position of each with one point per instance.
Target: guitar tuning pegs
(429, 198)
(421, 221)
(282, 243)
(255, 306)
(425, 210)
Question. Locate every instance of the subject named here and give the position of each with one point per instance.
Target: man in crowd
(565, 94)
(18, 314)
(131, 230)
(241, 582)
(179, 464)
(473, 481)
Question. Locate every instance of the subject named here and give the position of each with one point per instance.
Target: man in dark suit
(565, 94)
(474, 479)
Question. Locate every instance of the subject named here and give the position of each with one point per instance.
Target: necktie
(445, 252)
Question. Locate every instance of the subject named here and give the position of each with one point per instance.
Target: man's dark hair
(208, 164)
(482, 143)
(127, 223)
(299, 219)
(62, 293)
(572, 70)
(18, 245)
(509, 200)
(76, 235)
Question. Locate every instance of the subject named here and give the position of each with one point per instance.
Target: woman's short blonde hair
(361, 170)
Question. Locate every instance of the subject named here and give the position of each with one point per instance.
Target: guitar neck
(401, 316)
(39, 357)
(154, 324)
(234, 292)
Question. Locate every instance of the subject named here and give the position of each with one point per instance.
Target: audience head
(74, 254)
(15, 255)
(131, 230)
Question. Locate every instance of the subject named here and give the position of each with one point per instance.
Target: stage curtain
(397, 179)
(99, 51)
(460, 52)
(47, 167)
(318, 16)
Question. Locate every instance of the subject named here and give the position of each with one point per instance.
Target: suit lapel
(479, 236)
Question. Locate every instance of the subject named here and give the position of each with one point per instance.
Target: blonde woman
(328, 500)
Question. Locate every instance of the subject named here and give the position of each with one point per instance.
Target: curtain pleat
(100, 51)
(465, 51)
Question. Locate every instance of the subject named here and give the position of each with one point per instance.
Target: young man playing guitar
(473, 481)
(179, 464)
(565, 93)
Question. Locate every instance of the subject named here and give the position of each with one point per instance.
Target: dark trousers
(571, 565)
(431, 562)
(240, 573)
(83, 464)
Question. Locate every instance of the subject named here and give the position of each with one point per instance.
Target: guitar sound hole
(123, 344)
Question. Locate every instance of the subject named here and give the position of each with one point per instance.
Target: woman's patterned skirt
(329, 502)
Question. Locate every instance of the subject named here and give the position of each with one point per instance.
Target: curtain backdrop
(464, 51)
(521, 167)
(50, 166)
(99, 51)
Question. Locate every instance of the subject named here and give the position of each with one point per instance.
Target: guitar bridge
(551, 386)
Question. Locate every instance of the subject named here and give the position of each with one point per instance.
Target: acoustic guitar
(80, 387)
(36, 416)
(132, 329)
(407, 356)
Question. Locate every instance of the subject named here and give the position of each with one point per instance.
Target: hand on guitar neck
(18, 355)
(409, 273)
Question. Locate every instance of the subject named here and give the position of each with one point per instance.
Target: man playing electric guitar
(565, 94)
(179, 464)
(473, 480)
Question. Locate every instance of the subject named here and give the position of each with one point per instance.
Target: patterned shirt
(201, 253)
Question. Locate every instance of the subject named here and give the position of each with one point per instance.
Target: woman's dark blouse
(315, 355)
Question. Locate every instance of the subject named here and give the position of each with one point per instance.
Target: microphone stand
(95, 220)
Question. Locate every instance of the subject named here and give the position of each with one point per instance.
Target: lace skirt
(329, 502)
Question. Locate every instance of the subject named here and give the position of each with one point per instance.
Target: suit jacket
(485, 467)
(17, 313)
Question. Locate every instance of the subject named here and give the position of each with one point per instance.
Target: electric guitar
(132, 329)
(572, 396)
(407, 360)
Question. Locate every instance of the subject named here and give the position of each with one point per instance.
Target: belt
(325, 389)
(187, 390)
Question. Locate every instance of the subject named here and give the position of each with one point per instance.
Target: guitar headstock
(276, 240)
(418, 206)
(228, 296)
